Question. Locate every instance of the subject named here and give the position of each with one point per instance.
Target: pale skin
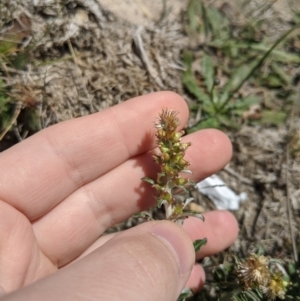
(63, 187)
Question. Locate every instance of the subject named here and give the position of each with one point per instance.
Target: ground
(85, 56)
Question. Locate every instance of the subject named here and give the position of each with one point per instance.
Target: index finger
(43, 170)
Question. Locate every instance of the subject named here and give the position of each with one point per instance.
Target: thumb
(152, 261)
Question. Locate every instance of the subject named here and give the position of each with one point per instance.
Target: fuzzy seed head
(168, 121)
(254, 271)
(257, 272)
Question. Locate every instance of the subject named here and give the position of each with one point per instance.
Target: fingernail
(170, 236)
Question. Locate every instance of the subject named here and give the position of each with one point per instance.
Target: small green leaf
(272, 81)
(244, 103)
(251, 295)
(187, 201)
(190, 82)
(292, 268)
(281, 73)
(6, 107)
(237, 79)
(211, 122)
(6, 47)
(186, 171)
(144, 215)
(228, 121)
(160, 202)
(217, 21)
(186, 293)
(186, 214)
(178, 217)
(188, 58)
(272, 117)
(148, 180)
(199, 243)
(276, 55)
(31, 116)
(20, 60)
(194, 11)
(208, 71)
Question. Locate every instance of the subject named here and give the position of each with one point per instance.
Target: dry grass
(83, 59)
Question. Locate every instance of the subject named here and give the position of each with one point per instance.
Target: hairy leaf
(199, 243)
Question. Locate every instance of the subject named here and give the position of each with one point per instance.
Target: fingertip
(197, 278)
(225, 141)
(220, 228)
(224, 221)
(211, 145)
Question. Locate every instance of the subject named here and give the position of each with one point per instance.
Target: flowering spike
(172, 190)
(168, 122)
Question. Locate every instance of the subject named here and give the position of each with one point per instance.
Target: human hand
(63, 187)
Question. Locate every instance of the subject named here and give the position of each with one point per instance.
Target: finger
(21, 260)
(151, 261)
(87, 213)
(197, 278)
(220, 228)
(52, 164)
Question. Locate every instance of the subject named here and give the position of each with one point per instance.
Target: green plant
(18, 105)
(293, 292)
(216, 74)
(255, 278)
(171, 188)
(15, 99)
(262, 275)
(6, 108)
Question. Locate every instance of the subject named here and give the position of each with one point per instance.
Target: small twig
(165, 12)
(213, 186)
(138, 42)
(12, 70)
(72, 52)
(79, 73)
(144, 9)
(238, 176)
(17, 133)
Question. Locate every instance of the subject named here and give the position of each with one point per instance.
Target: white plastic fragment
(222, 196)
